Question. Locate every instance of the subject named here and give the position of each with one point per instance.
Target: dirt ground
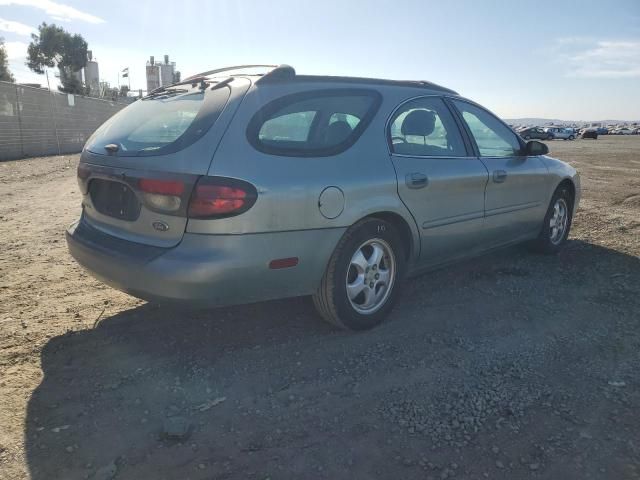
(513, 365)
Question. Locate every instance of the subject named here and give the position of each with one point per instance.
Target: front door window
(494, 139)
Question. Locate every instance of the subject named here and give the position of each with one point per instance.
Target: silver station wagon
(251, 183)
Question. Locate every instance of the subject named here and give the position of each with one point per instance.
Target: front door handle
(416, 180)
(499, 176)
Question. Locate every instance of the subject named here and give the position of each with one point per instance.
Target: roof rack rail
(377, 81)
(274, 68)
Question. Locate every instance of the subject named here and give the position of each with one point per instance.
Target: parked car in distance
(622, 131)
(589, 133)
(535, 133)
(602, 131)
(251, 183)
(561, 133)
(635, 131)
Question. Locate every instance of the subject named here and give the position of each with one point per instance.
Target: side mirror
(536, 148)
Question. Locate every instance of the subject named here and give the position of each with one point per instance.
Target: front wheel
(571, 137)
(362, 280)
(557, 222)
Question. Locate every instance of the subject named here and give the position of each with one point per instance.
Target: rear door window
(424, 127)
(315, 123)
(162, 124)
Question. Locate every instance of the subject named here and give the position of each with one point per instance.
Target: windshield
(160, 124)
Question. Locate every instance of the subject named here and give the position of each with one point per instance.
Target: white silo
(92, 75)
(153, 75)
(167, 71)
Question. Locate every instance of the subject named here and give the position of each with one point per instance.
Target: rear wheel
(571, 137)
(361, 283)
(557, 222)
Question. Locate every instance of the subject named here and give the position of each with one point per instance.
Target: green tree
(5, 74)
(55, 47)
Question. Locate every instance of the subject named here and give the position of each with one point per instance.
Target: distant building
(161, 74)
(92, 75)
(167, 71)
(153, 75)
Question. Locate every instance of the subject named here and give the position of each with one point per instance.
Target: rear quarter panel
(289, 187)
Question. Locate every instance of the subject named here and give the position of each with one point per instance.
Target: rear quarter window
(314, 123)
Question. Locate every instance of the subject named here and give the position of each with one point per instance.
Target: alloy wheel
(558, 221)
(370, 276)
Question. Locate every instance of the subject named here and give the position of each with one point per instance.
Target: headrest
(337, 132)
(419, 122)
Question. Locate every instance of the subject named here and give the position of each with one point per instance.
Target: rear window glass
(317, 123)
(162, 124)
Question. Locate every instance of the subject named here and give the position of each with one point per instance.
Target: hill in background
(556, 121)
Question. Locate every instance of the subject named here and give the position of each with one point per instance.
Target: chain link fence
(36, 122)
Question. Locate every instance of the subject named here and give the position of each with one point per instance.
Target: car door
(440, 180)
(515, 193)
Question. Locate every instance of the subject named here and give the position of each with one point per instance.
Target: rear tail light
(161, 187)
(161, 195)
(219, 197)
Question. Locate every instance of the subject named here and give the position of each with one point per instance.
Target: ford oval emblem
(160, 226)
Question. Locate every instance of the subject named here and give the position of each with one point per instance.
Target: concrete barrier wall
(36, 122)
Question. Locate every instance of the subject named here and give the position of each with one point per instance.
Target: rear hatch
(138, 170)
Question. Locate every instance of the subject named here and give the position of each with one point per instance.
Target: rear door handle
(499, 176)
(416, 180)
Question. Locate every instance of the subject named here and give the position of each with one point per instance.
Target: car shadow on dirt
(105, 406)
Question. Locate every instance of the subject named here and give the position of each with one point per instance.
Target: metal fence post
(19, 120)
(53, 113)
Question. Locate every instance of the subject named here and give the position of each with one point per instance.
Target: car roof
(375, 81)
(286, 73)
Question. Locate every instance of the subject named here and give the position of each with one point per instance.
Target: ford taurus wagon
(251, 183)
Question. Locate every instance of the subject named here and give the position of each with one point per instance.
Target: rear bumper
(206, 270)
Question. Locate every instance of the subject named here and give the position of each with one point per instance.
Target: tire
(571, 137)
(548, 241)
(332, 298)
(549, 137)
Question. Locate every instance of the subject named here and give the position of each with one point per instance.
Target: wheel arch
(568, 182)
(410, 244)
(573, 185)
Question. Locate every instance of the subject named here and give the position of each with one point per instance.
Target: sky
(570, 60)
